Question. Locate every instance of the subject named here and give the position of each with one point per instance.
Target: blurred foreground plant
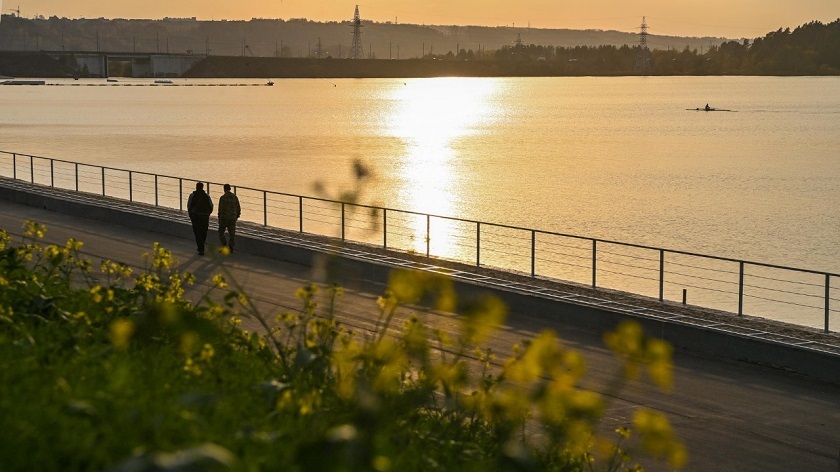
(125, 363)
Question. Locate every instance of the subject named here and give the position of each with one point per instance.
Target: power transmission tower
(356, 50)
(643, 57)
(519, 49)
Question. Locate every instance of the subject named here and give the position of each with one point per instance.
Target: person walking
(229, 212)
(200, 207)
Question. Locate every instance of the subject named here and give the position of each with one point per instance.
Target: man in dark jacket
(229, 212)
(200, 207)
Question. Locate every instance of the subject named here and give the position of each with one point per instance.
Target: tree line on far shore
(810, 49)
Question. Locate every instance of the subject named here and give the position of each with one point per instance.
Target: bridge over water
(137, 64)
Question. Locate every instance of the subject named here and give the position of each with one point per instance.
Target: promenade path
(733, 416)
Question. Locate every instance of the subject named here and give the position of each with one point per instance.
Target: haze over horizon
(730, 19)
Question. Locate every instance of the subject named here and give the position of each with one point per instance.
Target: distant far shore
(54, 65)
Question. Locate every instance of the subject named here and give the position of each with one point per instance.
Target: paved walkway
(732, 415)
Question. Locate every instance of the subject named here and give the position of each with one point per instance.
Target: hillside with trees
(301, 48)
(297, 37)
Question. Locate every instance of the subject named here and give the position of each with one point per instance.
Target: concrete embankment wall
(710, 339)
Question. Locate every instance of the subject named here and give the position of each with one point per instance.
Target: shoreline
(42, 65)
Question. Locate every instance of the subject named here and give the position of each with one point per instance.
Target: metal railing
(794, 295)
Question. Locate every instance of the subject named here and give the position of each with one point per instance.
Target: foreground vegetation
(105, 369)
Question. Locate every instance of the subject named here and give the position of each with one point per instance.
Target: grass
(104, 369)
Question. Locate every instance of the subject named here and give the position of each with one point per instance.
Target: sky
(732, 19)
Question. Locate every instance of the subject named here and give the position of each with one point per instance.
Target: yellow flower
(539, 354)
(191, 367)
(630, 344)
(219, 281)
(189, 340)
(306, 293)
(117, 269)
(309, 402)
(95, 294)
(337, 290)
(451, 375)
(386, 301)
(344, 362)
(161, 258)
(481, 318)
(381, 464)
(284, 400)
(121, 331)
(4, 239)
(207, 353)
(623, 432)
(658, 439)
(33, 229)
(53, 253)
(73, 244)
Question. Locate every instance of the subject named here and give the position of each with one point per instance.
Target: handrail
(481, 239)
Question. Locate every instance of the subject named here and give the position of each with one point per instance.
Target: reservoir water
(616, 158)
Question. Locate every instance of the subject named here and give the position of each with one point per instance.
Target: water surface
(612, 158)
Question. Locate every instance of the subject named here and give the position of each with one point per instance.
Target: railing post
(661, 275)
(300, 213)
(130, 188)
(180, 194)
(14, 166)
(827, 298)
(342, 221)
(156, 190)
(428, 234)
(741, 288)
(77, 175)
(385, 228)
(533, 253)
(52, 173)
(103, 181)
(478, 244)
(265, 208)
(594, 262)
(32, 169)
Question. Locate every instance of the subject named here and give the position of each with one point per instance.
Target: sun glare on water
(430, 116)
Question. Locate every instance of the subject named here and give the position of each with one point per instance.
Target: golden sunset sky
(726, 18)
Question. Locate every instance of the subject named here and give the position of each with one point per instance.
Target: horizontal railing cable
(465, 240)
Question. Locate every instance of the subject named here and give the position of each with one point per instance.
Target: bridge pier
(96, 64)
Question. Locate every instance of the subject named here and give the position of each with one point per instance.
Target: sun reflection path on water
(429, 117)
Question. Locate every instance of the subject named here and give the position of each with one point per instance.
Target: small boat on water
(163, 81)
(112, 80)
(269, 83)
(707, 108)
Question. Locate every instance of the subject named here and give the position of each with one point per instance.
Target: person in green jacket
(229, 212)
